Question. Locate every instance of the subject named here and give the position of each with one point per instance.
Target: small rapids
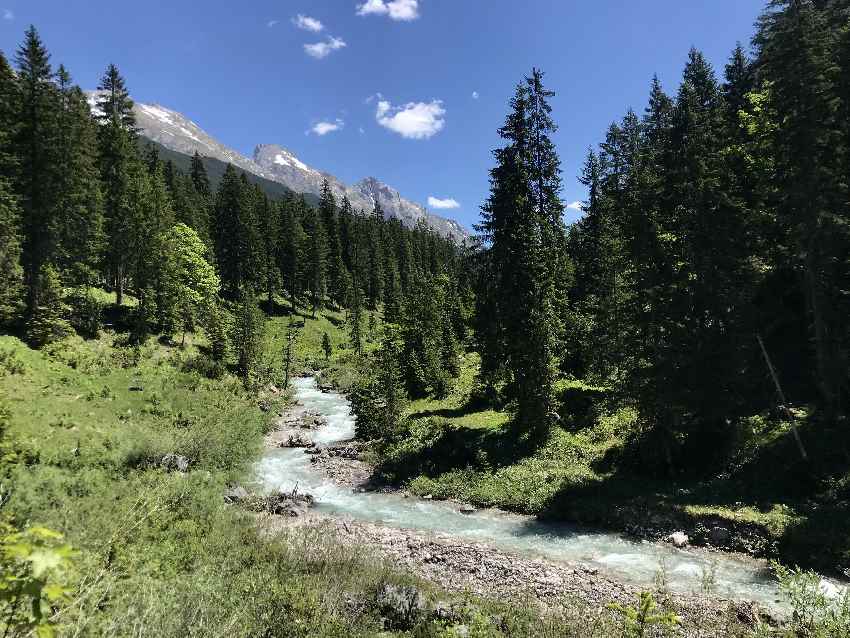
(637, 562)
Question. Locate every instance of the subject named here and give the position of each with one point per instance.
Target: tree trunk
(119, 287)
(824, 352)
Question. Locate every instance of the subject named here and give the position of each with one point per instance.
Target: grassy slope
(158, 553)
(776, 506)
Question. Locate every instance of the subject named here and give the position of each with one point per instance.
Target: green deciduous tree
(191, 282)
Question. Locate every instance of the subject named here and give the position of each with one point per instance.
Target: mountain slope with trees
(677, 356)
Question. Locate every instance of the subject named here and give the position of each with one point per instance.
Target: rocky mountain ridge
(178, 133)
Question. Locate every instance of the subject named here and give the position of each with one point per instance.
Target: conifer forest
(228, 409)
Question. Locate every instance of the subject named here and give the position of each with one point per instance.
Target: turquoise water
(636, 562)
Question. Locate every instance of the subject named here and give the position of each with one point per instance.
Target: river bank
(341, 478)
(483, 571)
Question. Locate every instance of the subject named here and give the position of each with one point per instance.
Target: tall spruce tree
(119, 161)
(317, 258)
(290, 251)
(35, 148)
(336, 272)
(795, 56)
(11, 273)
(375, 257)
(78, 229)
(238, 246)
(523, 228)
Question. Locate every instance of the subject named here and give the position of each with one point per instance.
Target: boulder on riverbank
(292, 503)
(679, 539)
(235, 494)
(285, 503)
(297, 439)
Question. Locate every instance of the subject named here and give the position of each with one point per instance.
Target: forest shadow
(336, 323)
(449, 447)
(445, 413)
(274, 308)
(803, 507)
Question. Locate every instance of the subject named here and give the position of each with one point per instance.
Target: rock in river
(679, 539)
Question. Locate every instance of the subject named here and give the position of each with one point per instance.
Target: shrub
(47, 322)
(814, 613)
(86, 312)
(643, 619)
(10, 363)
(34, 578)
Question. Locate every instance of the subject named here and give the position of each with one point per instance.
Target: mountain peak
(178, 133)
(279, 156)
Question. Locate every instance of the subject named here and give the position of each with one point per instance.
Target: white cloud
(307, 23)
(323, 128)
(271, 23)
(574, 206)
(434, 202)
(475, 95)
(8, 14)
(321, 50)
(405, 10)
(362, 130)
(414, 120)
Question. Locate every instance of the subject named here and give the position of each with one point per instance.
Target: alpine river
(637, 562)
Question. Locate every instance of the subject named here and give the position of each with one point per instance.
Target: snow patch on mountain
(290, 160)
(177, 132)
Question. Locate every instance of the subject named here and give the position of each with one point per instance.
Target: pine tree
(35, 146)
(316, 258)
(237, 234)
(375, 256)
(379, 400)
(11, 273)
(248, 334)
(522, 224)
(202, 198)
(118, 164)
(198, 173)
(794, 42)
(347, 234)
(47, 323)
(78, 230)
(327, 348)
(269, 220)
(10, 110)
(336, 273)
(290, 251)
(149, 218)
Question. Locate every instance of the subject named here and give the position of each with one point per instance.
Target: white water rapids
(637, 562)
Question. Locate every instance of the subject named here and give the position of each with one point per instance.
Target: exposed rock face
(281, 165)
(178, 133)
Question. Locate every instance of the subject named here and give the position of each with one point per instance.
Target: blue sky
(409, 91)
